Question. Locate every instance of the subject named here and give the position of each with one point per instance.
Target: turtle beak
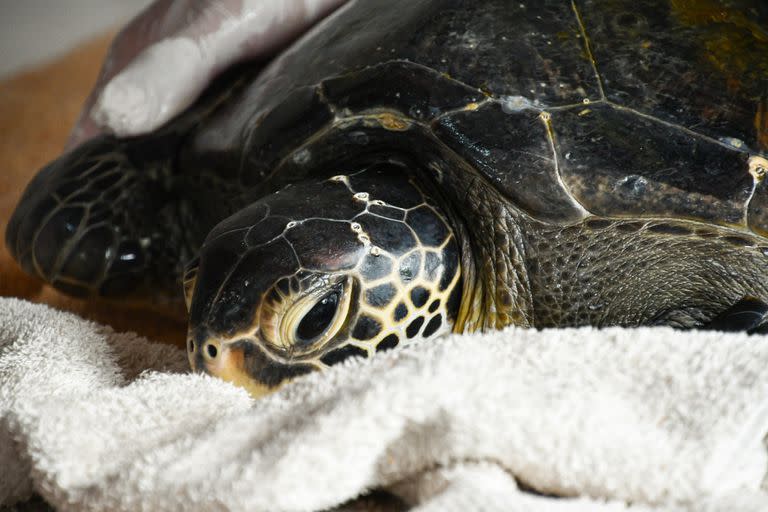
(227, 362)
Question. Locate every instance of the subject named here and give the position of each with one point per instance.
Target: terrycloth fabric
(592, 420)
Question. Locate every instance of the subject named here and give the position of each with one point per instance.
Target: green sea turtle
(414, 167)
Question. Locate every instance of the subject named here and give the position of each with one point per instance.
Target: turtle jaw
(227, 362)
(242, 362)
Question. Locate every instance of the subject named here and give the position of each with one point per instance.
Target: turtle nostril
(212, 351)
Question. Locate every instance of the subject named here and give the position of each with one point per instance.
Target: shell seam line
(588, 48)
(547, 120)
(749, 201)
(464, 108)
(679, 127)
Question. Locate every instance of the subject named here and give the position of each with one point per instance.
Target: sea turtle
(414, 167)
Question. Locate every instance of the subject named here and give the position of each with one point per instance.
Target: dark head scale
(319, 272)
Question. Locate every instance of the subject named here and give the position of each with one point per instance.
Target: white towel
(591, 420)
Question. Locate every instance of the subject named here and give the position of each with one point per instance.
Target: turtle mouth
(226, 362)
(241, 363)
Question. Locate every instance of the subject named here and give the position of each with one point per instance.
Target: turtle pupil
(317, 319)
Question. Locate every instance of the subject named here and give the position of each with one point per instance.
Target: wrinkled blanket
(527, 420)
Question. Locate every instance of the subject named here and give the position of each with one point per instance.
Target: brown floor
(37, 110)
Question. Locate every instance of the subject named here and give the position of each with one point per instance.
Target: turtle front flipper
(103, 220)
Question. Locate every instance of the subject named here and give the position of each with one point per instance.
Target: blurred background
(35, 31)
(50, 55)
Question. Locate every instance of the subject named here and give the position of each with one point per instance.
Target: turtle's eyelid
(283, 307)
(291, 319)
(320, 316)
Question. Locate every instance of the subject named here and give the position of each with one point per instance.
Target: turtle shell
(566, 109)
(614, 108)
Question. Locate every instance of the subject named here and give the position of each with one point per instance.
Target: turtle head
(319, 272)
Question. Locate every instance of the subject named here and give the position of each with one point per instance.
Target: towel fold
(571, 420)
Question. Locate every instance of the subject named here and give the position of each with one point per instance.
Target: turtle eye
(319, 318)
(299, 321)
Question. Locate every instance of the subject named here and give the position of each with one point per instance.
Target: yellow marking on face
(229, 365)
(472, 106)
(758, 167)
(385, 315)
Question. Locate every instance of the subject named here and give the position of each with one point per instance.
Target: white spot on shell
(340, 178)
(361, 196)
(357, 228)
(733, 142)
(364, 239)
(378, 202)
(375, 251)
(291, 224)
(302, 157)
(513, 104)
(632, 185)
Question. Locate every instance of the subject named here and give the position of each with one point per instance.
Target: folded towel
(572, 419)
